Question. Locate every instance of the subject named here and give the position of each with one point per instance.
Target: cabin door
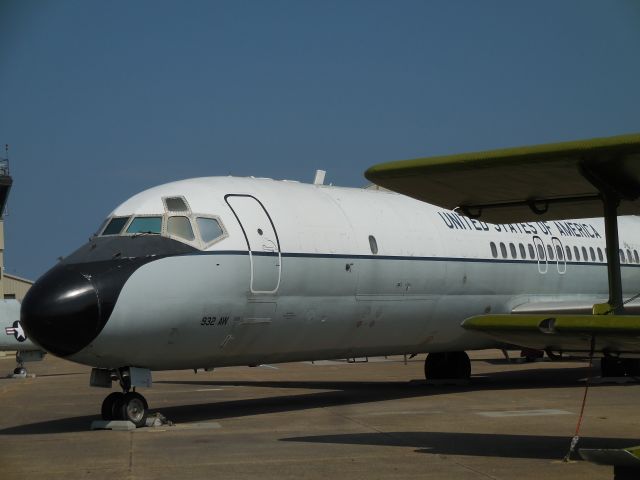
(262, 242)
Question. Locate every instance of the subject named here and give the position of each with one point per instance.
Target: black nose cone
(61, 311)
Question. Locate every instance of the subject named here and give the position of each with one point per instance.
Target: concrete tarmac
(319, 420)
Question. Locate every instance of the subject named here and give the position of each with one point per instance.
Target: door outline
(539, 245)
(562, 268)
(246, 238)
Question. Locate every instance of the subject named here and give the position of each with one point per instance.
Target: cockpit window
(180, 227)
(209, 228)
(176, 204)
(145, 225)
(115, 226)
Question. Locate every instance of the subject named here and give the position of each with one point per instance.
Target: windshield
(145, 225)
(115, 226)
(199, 230)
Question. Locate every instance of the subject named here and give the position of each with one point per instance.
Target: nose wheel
(129, 406)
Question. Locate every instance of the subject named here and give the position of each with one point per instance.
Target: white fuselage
(309, 272)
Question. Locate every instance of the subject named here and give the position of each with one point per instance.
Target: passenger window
(146, 225)
(593, 254)
(512, 247)
(180, 227)
(176, 204)
(621, 253)
(532, 252)
(541, 252)
(523, 252)
(559, 252)
(503, 250)
(373, 245)
(576, 252)
(568, 250)
(629, 257)
(494, 250)
(600, 257)
(115, 226)
(209, 228)
(550, 252)
(635, 255)
(584, 254)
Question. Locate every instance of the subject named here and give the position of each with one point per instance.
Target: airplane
(14, 339)
(224, 271)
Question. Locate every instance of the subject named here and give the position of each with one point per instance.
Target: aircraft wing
(618, 334)
(543, 182)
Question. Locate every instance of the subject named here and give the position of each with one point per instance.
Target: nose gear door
(262, 241)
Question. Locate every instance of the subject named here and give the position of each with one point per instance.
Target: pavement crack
(130, 471)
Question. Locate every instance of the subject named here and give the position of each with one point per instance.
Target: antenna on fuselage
(319, 178)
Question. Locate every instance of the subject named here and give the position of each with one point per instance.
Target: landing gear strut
(27, 356)
(126, 405)
(447, 365)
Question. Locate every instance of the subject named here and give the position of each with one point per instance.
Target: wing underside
(544, 182)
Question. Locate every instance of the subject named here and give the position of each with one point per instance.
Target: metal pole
(611, 203)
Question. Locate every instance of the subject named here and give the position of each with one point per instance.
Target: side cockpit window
(210, 229)
(145, 225)
(180, 226)
(115, 226)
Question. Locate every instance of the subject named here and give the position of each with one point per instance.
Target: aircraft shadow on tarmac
(333, 394)
(471, 444)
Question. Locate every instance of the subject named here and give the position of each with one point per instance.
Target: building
(10, 285)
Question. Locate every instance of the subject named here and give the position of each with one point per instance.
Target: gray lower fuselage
(198, 310)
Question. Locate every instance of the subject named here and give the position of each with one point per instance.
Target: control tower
(5, 186)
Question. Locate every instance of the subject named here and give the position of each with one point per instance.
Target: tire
(109, 406)
(461, 365)
(631, 366)
(20, 371)
(134, 408)
(612, 367)
(434, 366)
(447, 365)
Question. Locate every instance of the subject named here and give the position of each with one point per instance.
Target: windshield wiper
(148, 232)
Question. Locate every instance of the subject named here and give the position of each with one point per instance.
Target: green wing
(615, 334)
(543, 182)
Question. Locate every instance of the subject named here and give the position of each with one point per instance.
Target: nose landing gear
(27, 356)
(127, 405)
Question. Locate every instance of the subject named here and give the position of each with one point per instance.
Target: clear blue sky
(102, 99)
